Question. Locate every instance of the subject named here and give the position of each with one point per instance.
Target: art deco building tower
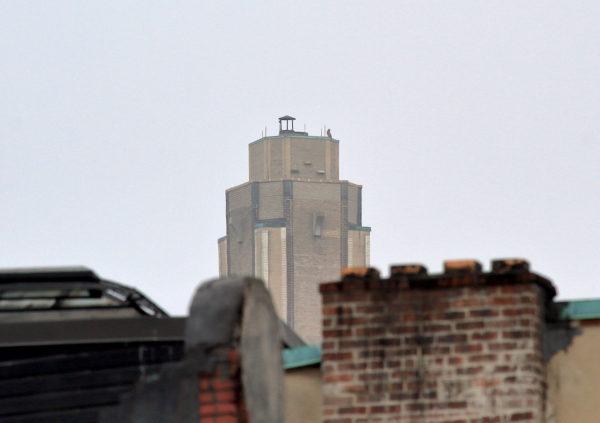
(294, 223)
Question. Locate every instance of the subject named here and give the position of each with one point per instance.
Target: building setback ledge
(270, 223)
(322, 137)
(354, 227)
(579, 309)
(308, 355)
(295, 180)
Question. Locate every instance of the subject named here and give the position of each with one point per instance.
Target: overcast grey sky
(474, 127)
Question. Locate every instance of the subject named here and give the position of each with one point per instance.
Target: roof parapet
(457, 273)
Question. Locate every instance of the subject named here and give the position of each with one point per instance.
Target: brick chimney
(458, 347)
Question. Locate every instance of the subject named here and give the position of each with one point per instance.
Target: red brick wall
(461, 347)
(220, 395)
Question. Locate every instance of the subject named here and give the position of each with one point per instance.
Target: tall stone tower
(294, 223)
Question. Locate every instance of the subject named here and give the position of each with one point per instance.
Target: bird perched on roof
(329, 133)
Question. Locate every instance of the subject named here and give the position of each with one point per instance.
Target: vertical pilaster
(344, 225)
(288, 215)
(254, 198)
(227, 231)
(284, 274)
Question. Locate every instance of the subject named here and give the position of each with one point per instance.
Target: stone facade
(294, 224)
(294, 155)
(460, 347)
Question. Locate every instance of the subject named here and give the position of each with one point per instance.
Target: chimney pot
(510, 265)
(408, 269)
(462, 266)
(355, 271)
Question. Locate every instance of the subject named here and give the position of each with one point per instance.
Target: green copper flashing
(271, 223)
(307, 355)
(353, 227)
(580, 309)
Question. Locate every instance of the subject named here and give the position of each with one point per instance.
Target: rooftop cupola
(285, 120)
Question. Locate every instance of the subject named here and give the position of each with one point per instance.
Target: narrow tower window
(318, 224)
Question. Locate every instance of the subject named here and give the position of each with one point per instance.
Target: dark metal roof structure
(71, 343)
(68, 288)
(286, 117)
